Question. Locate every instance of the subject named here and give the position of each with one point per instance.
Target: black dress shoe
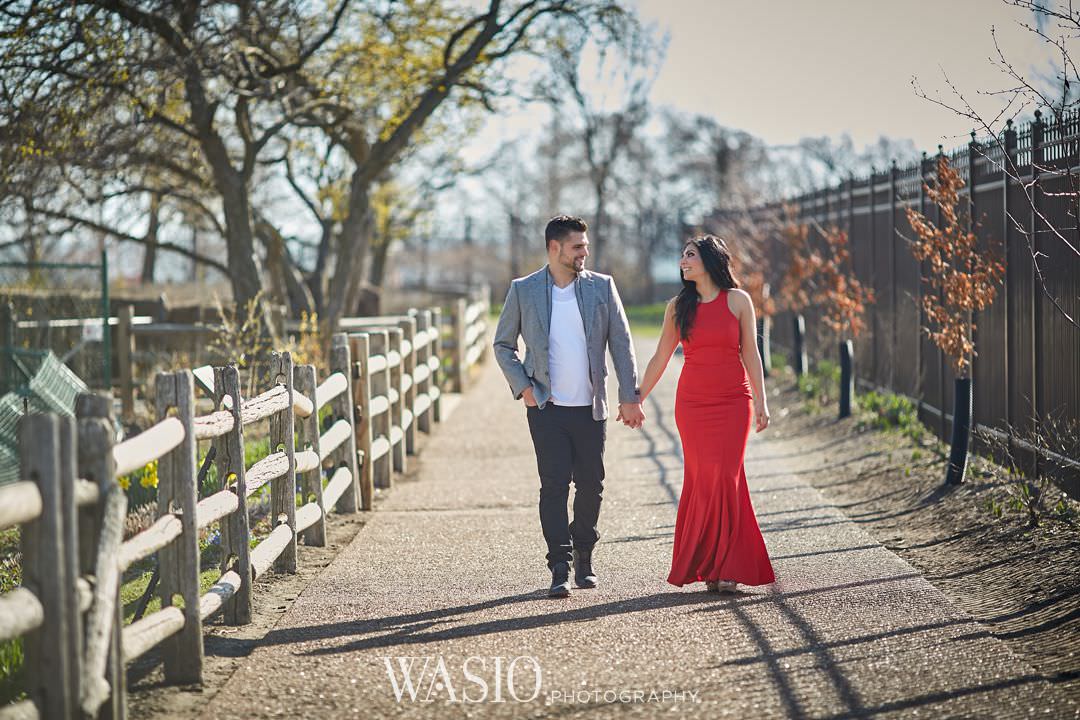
(560, 580)
(584, 577)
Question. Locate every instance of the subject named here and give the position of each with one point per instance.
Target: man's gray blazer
(527, 312)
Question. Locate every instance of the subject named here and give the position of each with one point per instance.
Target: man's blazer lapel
(542, 298)
(587, 301)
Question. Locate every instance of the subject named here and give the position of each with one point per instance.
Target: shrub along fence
(383, 385)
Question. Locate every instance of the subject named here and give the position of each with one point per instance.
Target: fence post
(397, 448)
(283, 489)
(360, 345)
(94, 461)
(45, 572)
(894, 349)
(125, 349)
(1008, 160)
(408, 329)
(460, 308)
(235, 532)
(179, 560)
(69, 517)
(943, 433)
(1037, 128)
(847, 377)
(307, 434)
(380, 424)
(423, 324)
(764, 342)
(344, 406)
(799, 361)
(7, 355)
(485, 347)
(436, 352)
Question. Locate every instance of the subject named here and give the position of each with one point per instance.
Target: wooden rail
(383, 384)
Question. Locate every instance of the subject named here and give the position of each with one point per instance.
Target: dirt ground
(1022, 582)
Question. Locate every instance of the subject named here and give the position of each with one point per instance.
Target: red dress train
(716, 532)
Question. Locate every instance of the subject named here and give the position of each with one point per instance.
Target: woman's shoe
(712, 586)
(726, 586)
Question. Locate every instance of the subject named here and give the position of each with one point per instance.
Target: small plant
(821, 384)
(886, 411)
(310, 347)
(1037, 498)
(242, 339)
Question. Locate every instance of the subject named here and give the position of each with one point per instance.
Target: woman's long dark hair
(717, 261)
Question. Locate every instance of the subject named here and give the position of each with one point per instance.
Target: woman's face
(690, 263)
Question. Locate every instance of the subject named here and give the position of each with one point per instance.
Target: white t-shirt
(568, 356)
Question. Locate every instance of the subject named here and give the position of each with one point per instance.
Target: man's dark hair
(560, 226)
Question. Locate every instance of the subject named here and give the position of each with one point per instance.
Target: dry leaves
(963, 278)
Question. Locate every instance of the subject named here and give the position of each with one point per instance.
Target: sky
(787, 69)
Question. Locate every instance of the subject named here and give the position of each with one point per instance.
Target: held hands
(761, 415)
(631, 415)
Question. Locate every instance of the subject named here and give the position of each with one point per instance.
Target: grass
(11, 651)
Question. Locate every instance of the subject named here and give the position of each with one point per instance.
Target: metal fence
(1028, 364)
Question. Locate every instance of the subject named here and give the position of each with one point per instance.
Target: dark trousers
(569, 446)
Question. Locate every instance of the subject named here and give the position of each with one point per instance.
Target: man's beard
(572, 264)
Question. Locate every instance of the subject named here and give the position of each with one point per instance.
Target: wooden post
(7, 351)
(380, 424)
(397, 449)
(235, 531)
(408, 329)
(45, 572)
(423, 322)
(282, 438)
(307, 435)
(344, 406)
(461, 306)
(360, 347)
(485, 298)
(125, 351)
(436, 352)
(94, 460)
(178, 561)
(69, 518)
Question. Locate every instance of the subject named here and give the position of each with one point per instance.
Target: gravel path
(450, 570)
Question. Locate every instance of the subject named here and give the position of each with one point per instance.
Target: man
(567, 315)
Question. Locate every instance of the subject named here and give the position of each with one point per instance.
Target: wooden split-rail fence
(382, 387)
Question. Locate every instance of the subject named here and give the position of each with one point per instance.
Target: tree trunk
(231, 185)
(353, 242)
(596, 239)
(380, 251)
(150, 256)
(515, 245)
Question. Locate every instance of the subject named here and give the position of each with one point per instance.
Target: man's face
(571, 251)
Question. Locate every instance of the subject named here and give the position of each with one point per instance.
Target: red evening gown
(716, 532)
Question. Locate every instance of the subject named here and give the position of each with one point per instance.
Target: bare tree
(1057, 25)
(629, 67)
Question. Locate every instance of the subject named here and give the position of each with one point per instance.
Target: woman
(716, 534)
